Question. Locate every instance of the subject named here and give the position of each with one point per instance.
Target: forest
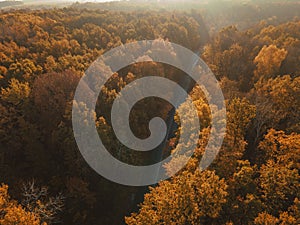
(252, 48)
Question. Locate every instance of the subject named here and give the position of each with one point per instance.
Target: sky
(64, 0)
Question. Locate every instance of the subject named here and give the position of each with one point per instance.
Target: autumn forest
(252, 48)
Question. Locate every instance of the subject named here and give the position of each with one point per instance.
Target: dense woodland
(256, 58)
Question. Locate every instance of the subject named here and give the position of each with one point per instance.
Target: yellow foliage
(16, 92)
(12, 213)
(269, 60)
(188, 198)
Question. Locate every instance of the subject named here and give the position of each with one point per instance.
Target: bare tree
(37, 200)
